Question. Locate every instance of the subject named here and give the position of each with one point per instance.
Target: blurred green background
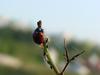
(79, 19)
(19, 55)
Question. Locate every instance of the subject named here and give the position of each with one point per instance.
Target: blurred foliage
(18, 43)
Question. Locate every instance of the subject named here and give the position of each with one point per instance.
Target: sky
(79, 18)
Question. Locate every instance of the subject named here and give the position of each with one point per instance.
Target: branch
(76, 55)
(67, 56)
(49, 61)
(66, 51)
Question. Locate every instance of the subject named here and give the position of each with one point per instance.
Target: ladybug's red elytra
(38, 34)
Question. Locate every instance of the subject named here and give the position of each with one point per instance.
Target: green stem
(50, 60)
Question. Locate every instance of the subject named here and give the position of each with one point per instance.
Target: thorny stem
(47, 55)
(50, 60)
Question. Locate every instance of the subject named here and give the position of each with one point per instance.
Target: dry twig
(66, 55)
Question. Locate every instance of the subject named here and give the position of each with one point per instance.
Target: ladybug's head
(39, 23)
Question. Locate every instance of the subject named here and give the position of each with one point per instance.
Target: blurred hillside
(20, 56)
